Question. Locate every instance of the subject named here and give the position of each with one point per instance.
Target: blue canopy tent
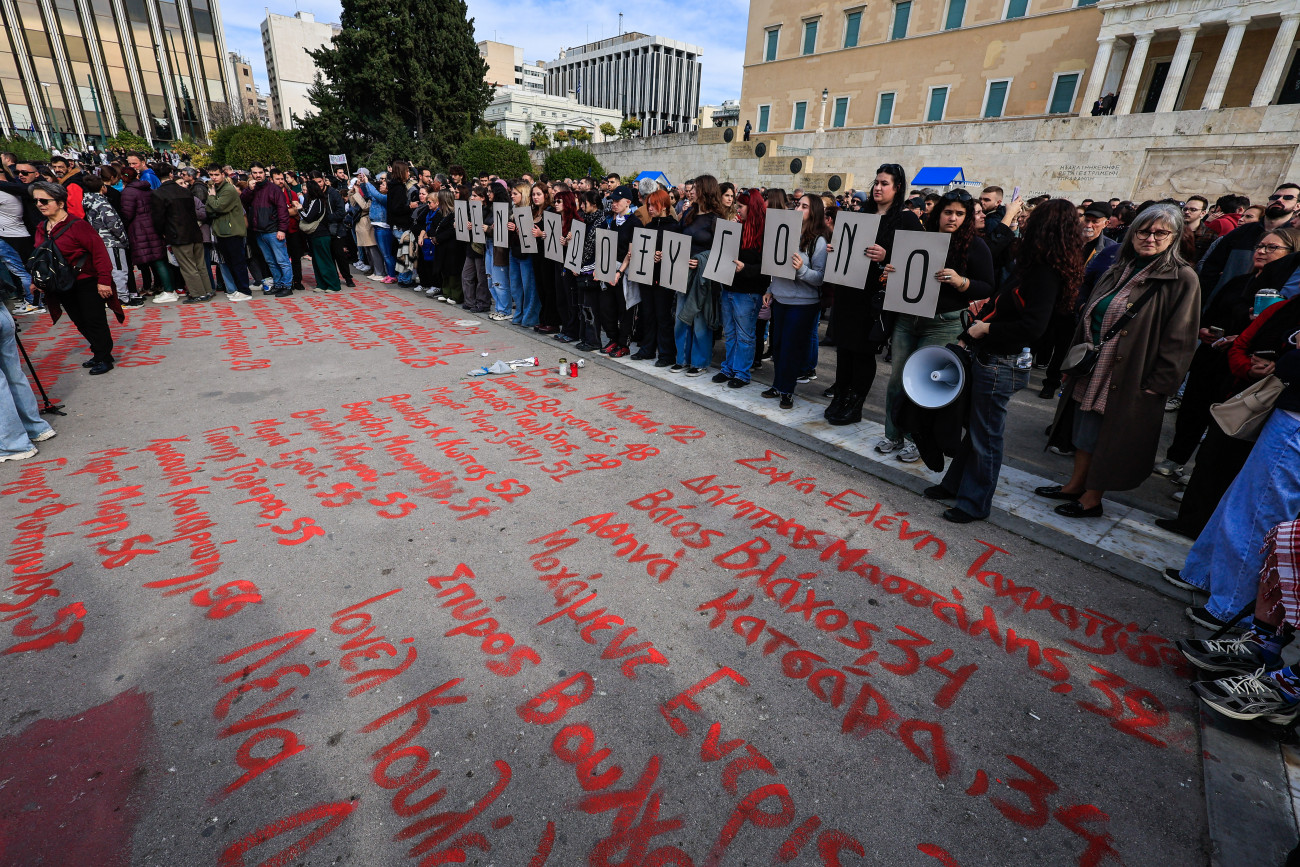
(657, 177)
(939, 177)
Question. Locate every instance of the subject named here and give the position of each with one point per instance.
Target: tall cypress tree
(404, 79)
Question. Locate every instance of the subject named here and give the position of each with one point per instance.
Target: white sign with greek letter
(675, 264)
(726, 250)
(573, 253)
(781, 242)
(524, 225)
(607, 260)
(462, 221)
(553, 243)
(476, 233)
(642, 267)
(500, 223)
(912, 287)
(848, 265)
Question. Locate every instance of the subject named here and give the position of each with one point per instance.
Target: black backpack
(51, 272)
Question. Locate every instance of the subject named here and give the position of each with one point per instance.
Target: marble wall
(1239, 150)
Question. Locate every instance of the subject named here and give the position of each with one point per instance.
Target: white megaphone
(933, 377)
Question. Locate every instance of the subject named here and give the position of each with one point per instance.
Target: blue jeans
(795, 326)
(276, 254)
(1227, 556)
(973, 473)
(523, 290)
(387, 243)
(694, 341)
(20, 419)
(14, 263)
(498, 284)
(739, 315)
(910, 334)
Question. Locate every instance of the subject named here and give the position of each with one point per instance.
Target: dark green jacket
(227, 212)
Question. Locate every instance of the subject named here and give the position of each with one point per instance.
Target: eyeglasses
(25, 173)
(957, 196)
(1271, 248)
(1276, 196)
(43, 201)
(1158, 234)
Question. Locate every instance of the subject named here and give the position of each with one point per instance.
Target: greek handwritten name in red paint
(360, 643)
(475, 616)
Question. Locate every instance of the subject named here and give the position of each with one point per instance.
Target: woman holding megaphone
(1046, 278)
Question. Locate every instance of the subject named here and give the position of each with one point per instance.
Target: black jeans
(1209, 380)
(855, 371)
(973, 474)
(615, 318)
(297, 244)
(232, 251)
(658, 321)
(568, 300)
(1220, 460)
(86, 310)
(342, 255)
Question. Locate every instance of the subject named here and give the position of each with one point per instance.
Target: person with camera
(1045, 281)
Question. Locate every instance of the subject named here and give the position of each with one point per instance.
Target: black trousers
(1054, 345)
(855, 371)
(658, 320)
(87, 311)
(615, 318)
(567, 303)
(589, 309)
(297, 244)
(257, 268)
(342, 254)
(1207, 380)
(1220, 460)
(232, 251)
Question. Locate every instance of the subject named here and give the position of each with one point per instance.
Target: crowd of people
(1132, 310)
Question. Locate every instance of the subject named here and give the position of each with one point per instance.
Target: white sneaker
(30, 453)
(1166, 468)
(886, 446)
(238, 296)
(433, 293)
(253, 287)
(22, 308)
(48, 435)
(376, 277)
(1177, 496)
(1182, 477)
(165, 298)
(910, 454)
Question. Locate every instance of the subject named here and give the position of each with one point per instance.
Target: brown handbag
(1243, 415)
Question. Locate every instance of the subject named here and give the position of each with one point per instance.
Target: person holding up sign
(473, 275)
(966, 276)
(543, 268)
(1046, 278)
(796, 301)
(861, 324)
(523, 290)
(694, 338)
(742, 300)
(566, 301)
(615, 318)
(657, 299)
(497, 261)
(586, 291)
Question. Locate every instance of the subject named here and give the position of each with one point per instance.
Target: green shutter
(809, 37)
(997, 99)
(938, 98)
(1017, 8)
(902, 11)
(764, 112)
(841, 111)
(1063, 94)
(852, 24)
(772, 38)
(886, 113)
(956, 12)
(800, 114)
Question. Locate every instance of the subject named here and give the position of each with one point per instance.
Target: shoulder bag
(1242, 416)
(1082, 357)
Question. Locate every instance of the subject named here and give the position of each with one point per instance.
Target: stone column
(1277, 58)
(1223, 67)
(1096, 78)
(1133, 74)
(1177, 67)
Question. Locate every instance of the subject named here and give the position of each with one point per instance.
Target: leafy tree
(581, 134)
(221, 139)
(128, 140)
(572, 162)
(628, 128)
(494, 154)
(405, 79)
(24, 150)
(561, 136)
(607, 130)
(540, 138)
(256, 144)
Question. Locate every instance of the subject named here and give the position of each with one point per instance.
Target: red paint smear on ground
(71, 788)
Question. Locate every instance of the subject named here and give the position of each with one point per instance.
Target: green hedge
(26, 151)
(257, 144)
(572, 162)
(494, 154)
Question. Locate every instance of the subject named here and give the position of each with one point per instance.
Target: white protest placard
(607, 260)
(675, 264)
(916, 257)
(848, 264)
(476, 232)
(553, 243)
(500, 221)
(462, 221)
(524, 225)
(642, 267)
(781, 242)
(573, 253)
(726, 250)
(338, 159)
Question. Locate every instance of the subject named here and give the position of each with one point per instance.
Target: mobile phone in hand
(1265, 355)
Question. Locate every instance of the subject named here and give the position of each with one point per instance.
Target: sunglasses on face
(1276, 196)
(28, 172)
(43, 201)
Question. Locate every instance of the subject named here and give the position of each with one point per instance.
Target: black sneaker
(677, 368)
(720, 378)
(663, 362)
(806, 377)
(1248, 697)
(584, 346)
(1201, 616)
(284, 293)
(643, 356)
(694, 371)
(1227, 655)
(1175, 577)
(100, 367)
(757, 365)
(770, 394)
(737, 383)
(787, 401)
(937, 492)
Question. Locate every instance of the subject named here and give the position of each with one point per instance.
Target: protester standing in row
(796, 301)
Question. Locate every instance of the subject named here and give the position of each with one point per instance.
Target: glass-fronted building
(75, 72)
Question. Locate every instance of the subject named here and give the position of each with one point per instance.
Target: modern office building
(834, 65)
(75, 72)
(506, 66)
(650, 78)
(286, 40)
(515, 110)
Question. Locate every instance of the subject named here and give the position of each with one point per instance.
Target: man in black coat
(176, 217)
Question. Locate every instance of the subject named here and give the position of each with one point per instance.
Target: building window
(937, 102)
(956, 12)
(995, 97)
(810, 36)
(1017, 9)
(800, 115)
(764, 115)
(852, 24)
(885, 111)
(902, 11)
(841, 113)
(1063, 88)
(1082, 3)
(769, 48)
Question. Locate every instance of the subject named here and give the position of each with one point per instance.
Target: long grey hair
(1154, 217)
